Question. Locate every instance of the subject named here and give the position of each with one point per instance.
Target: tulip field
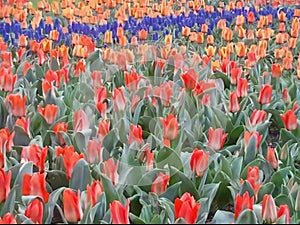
(150, 111)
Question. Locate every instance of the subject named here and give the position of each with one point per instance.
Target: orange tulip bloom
(276, 70)
(221, 24)
(210, 39)
(241, 49)
(108, 37)
(227, 34)
(54, 34)
(251, 17)
(262, 49)
(204, 28)
(168, 39)
(281, 27)
(240, 20)
(287, 63)
(210, 51)
(282, 16)
(143, 34)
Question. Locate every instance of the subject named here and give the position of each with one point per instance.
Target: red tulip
(269, 211)
(24, 124)
(119, 213)
(6, 59)
(271, 158)
(254, 179)
(276, 70)
(164, 92)
(6, 139)
(132, 80)
(96, 79)
(242, 203)
(57, 129)
(286, 98)
(258, 116)
(202, 86)
(242, 87)
(216, 138)
(190, 79)
(135, 134)
(35, 185)
(94, 151)
(103, 128)
(160, 184)
(100, 97)
(199, 162)
(187, 208)
(8, 218)
(81, 121)
(35, 211)
(205, 99)
(110, 169)
(284, 211)
(248, 135)
(290, 120)
(49, 112)
(234, 105)
(93, 192)
(7, 81)
(70, 158)
(265, 94)
(16, 104)
(35, 154)
(72, 205)
(235, 74)
(170, 126)
(119, 100)
(5, 184)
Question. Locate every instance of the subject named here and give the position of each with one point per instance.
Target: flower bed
(149, 112)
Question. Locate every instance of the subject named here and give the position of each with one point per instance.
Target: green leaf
(247, 217)
(284, 199)
(236, 167)
(54, 64)
(136, 220)
(137, 112)
(167, 156)
(186, 186)
(9, 203)
(172, 192)
(224, 77)
(286, 136)
(25, 168)
(21, 138)
(98, 211)
(147, 179)
(110, 191)
(82, 138)
(49, 207)
(223, 217)
(279, 176)
(57, 179)
(234, 135)
(81, 176)
(265, 189)
(251, 150)
(110, 140)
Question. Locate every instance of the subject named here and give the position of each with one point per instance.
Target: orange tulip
(54, 34)
(186, 31)
(262, 48)
(210, 39)
(108, 37)
(227, 34)
(143, 34)
(204, 28)
(240, 20)
(210, 51)
(276, 70)
(251, 17)
(281, 16)
(168, 39)
(241, 49)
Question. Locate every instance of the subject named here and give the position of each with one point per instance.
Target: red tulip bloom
(7, 81)
(35, 185)
(286, 98)
(35, 154)
(6, 139)
(93, 192)
(16, 104)
(132, 80)
(35, 211)
(284, 211)
(265, 94)
(216, 138)
(276, 70)
(248, 135)
(187, 208)
(258, 116)
(8, 218)
(24, 124)
(235, 74)
(81, 121)
(6, 59)
(72, 205)
(94, 151)
(103, 129)
(70, 157)
(290, 120)
(271, 158)
(164, 92)
(234, 105)
(96, 79)
(269, 211)
(5, 185)
(119, 213)
(135, 134)
(100, 97)
(110, 169)
(242, 87)
(242, 203)
(189, 79)
(254, 179)
(160, 184)
(49, 112)
(199, 162)
(170, 126)
(119, 100)
(57, 129)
